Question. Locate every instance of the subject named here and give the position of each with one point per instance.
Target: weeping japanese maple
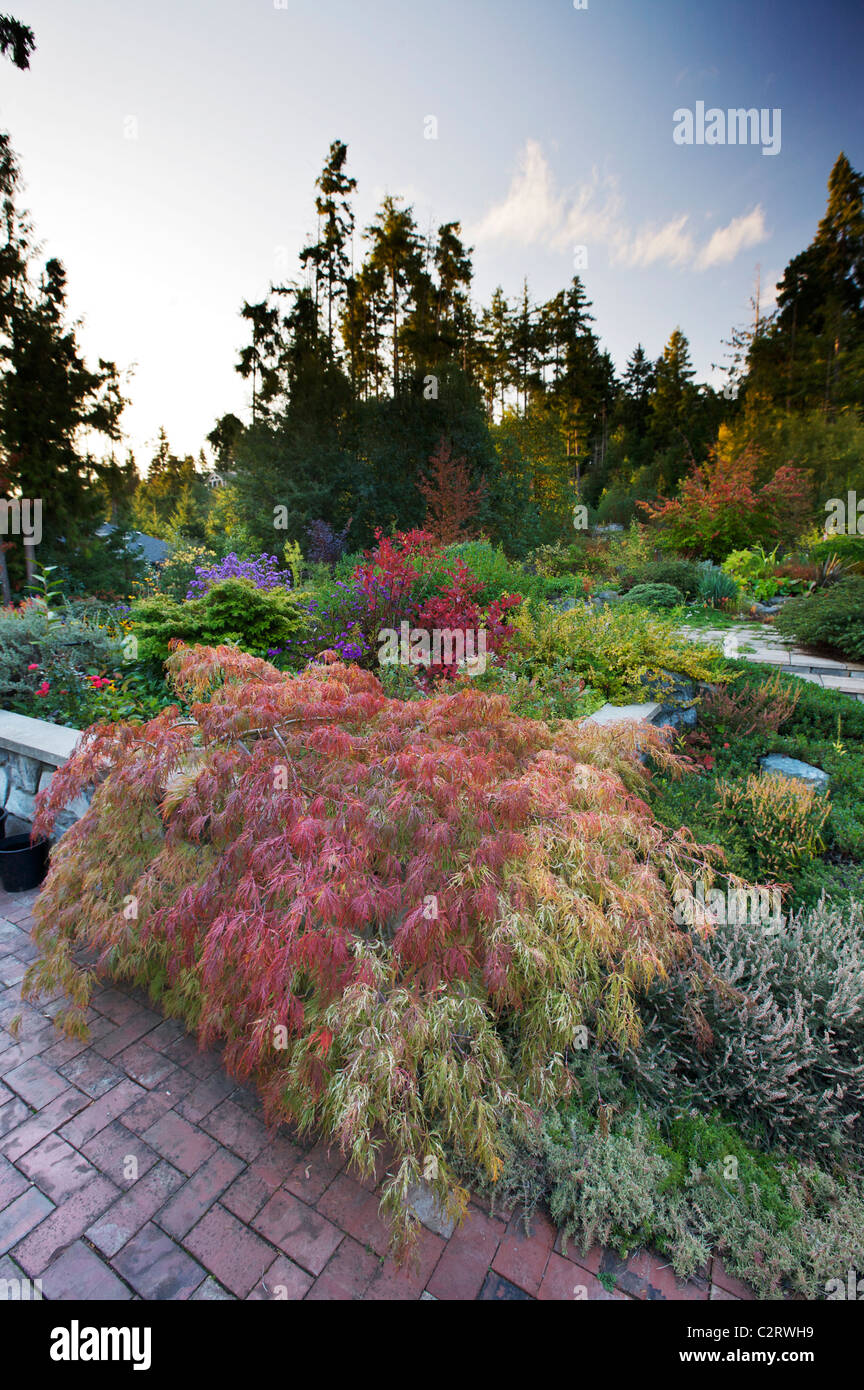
(400, 917)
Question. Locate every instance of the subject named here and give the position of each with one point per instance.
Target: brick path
(215, 1206)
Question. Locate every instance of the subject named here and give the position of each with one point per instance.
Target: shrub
(49, 661)
(718, 589)
(175, 576)
(262, 571)
(681, 574)
(499, 577)
(777, 1039)
(753, 571)
(234, 610)
(833, 617)
(655, 596)
(745, 709)
(783, 818)
(720, 508)
(553, 561)
(616, 649)
(326, 545)
(579, 557)
(780, 1227)
(395, 914)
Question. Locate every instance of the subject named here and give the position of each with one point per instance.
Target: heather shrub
(234, 610)
(832, 617)
(777, 1034)
(698, 1188)
(395, 914)
(783, 818)
(745, 710)
(656, 596)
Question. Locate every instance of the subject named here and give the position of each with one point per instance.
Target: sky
(169, 150)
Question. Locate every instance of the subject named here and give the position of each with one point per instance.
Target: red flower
(34, 666)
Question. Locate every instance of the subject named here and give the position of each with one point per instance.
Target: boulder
(777, 765)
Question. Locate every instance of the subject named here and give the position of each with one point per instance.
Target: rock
(45, 778)
(25, 773)
(427, 1208)
(677, 716)
(776, 765)
(603, 596)
(20, 804)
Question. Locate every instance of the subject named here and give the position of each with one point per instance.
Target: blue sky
(170, 150)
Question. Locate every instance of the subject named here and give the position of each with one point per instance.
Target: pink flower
(34, 666)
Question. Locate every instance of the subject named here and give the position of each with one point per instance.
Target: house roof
(151, 549)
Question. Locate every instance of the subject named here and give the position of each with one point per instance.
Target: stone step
(619, 714)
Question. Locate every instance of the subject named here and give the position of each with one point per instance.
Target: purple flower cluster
(263, 570)
(326, 546)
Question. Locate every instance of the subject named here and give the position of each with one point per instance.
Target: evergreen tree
(328, 255)
(17, 41)
(396, 252)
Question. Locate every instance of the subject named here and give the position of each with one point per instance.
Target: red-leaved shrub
(396, 915)
(720, 509)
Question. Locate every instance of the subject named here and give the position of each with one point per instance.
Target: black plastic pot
(22, 865)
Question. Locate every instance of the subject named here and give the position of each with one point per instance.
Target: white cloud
(534, 212)
(728, 241)
(671, 243)
(531, 212)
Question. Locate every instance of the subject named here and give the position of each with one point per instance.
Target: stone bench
(31, 750)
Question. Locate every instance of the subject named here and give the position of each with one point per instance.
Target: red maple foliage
(395, 914)
(720, 508)
(452, 502)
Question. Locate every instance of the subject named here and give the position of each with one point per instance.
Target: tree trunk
(5, 590)
(30, 563)
(395, 335)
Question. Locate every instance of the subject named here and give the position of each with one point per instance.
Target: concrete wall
(31, 750)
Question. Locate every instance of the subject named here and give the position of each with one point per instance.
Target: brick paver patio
(133, 1166)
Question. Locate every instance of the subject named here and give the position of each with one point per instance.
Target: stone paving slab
(142, 1170)
(761, 644)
